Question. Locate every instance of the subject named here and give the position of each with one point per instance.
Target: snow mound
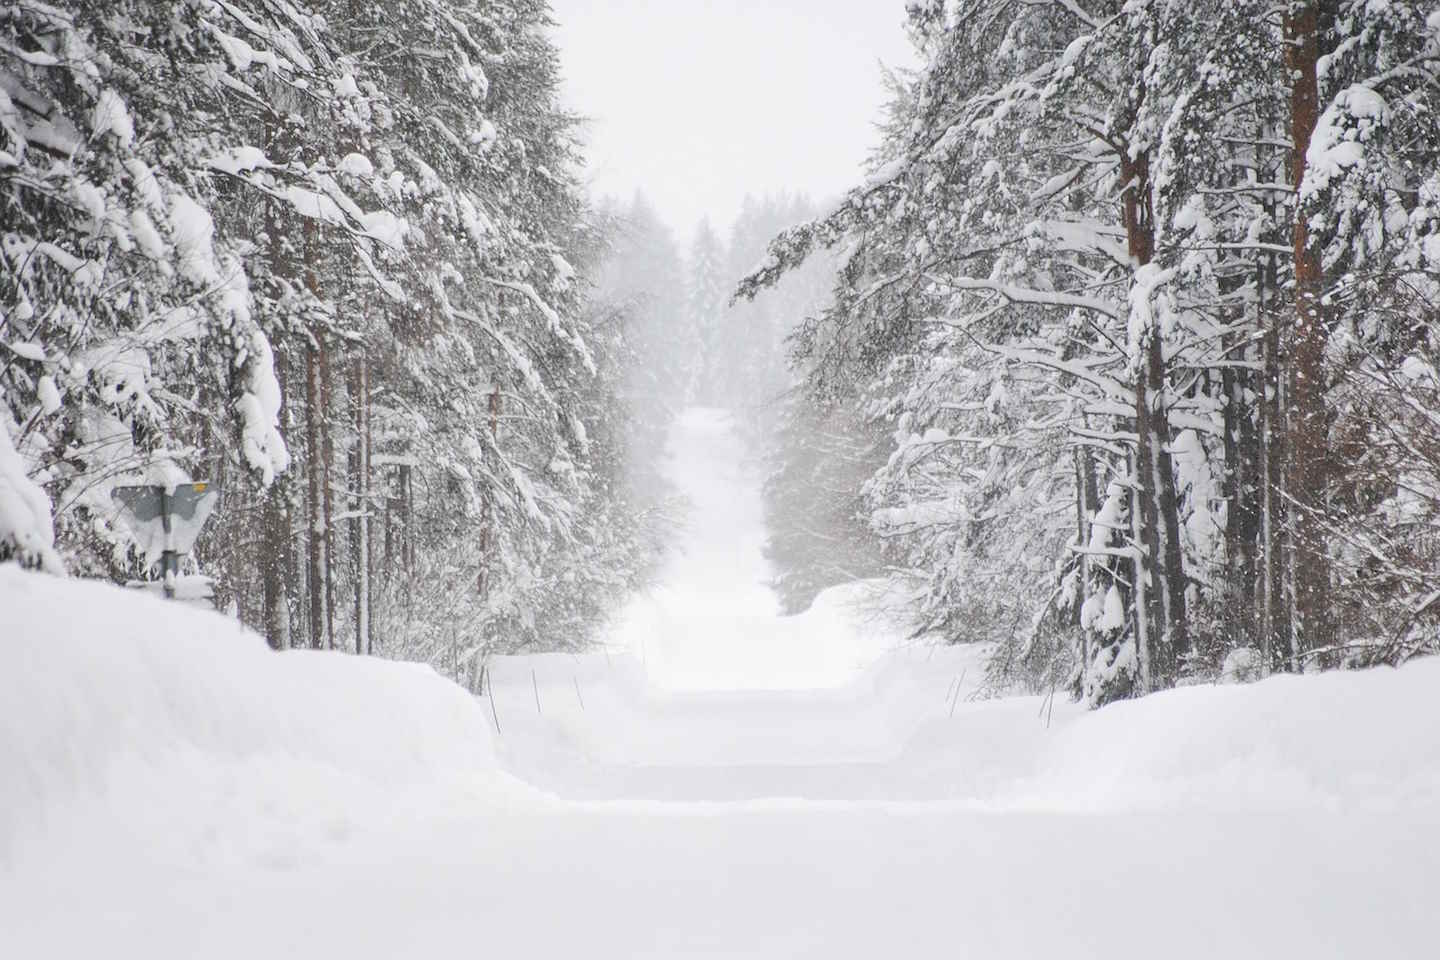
(1342, 741)
(915, 729)
(122, 713)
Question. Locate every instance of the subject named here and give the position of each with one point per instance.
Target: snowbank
(204, 796)
(910, 730)
(170, 788)
(122, 714)
(1367, 740)
(128, 714)
(1335, 742)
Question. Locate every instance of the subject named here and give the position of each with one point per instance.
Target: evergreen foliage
(1147, 292)
(336, 260)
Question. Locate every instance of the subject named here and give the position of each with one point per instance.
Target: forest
(1121, 355)
(776, 479)
(337, 262)
(329, 258)
(1144, 295)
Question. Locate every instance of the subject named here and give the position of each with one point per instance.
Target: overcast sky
(698, 103)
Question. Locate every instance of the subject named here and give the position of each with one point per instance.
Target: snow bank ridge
(110, 693)
(1341, 742)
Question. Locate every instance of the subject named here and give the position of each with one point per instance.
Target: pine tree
(705, 297)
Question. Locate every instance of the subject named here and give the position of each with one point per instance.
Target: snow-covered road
(768, 881)
(712, 622)
(208, 799)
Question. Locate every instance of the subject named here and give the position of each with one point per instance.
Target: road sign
(166, 521)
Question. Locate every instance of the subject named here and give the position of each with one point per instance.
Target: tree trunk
(314, 508)
(1242, 492)
(1308, 447)
(360, 525)
(389, 528)
(275, 509)
(1143, 592)
(274, 544)
(1085, 506)
(407, 507)
(294, 607)
(318, 562)
(1274, 618)
(1160, 576)
(327, 489)
(1241, 487)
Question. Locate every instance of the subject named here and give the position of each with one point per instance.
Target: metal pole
(169, 559)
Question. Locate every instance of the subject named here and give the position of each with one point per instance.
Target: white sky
(698, 102)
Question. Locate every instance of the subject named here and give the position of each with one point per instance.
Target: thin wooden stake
(491, 675)
(958, 684)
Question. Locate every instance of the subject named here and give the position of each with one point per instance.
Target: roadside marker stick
(958, 684)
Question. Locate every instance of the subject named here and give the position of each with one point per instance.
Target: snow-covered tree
(1086, 280)
(327, 256)
(706, 291)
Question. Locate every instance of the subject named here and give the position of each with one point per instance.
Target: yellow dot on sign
(200, 487)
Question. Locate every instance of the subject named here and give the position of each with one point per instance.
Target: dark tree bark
(274, 559)
(327, 489)
(1242, 492)
(317, 562)
(1243, 478)
(360, 504)
(1087, 502)
(1275, 645)
(1307, 468)
(275, 543)
(407, 517)
(1160, 582)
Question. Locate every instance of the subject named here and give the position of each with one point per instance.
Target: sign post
(166, 521)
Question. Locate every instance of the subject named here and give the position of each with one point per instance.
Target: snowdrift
(128, 713)
(1342, 741)
(911, 729)
(130, 723)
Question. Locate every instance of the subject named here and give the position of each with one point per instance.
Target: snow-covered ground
(169, 788)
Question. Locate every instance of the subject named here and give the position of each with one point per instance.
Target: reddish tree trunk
(1308, 432)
